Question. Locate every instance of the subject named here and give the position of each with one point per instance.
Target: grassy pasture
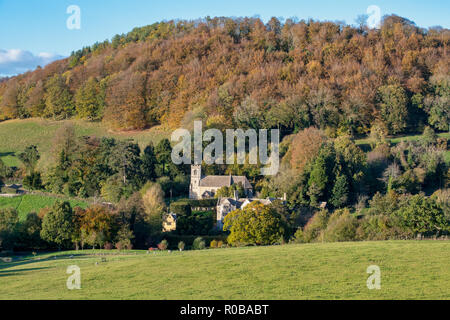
(396, 140)
(33, 203)
(16, 135)
(365, 143)
(409, 270)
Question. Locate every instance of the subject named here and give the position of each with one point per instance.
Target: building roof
(244, 201)
(224, 181)
(173, 215)
(231, 201)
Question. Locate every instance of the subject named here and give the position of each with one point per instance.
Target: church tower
(196, 176)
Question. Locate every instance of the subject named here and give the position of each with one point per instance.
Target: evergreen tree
(163, 152)
(148, 163)
(340, 192)
(321, 175)
(127, 162)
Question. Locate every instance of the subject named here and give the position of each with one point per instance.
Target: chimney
(284, 197)
(236, 195)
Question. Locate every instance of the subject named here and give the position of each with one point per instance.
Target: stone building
(205, 187)
(226, 205)
(169, 222)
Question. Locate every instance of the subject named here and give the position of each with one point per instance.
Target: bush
(380, 227)
(384, 204)
(195, 224)
(220, 244)
(124, 245)
(163, 245)
(442, 197)
(373, 228)
(213, 244)
(204, 203)
(124, 237)
(315, 226)
(8, 190)
(422, 215)
(181, 245)
(33, 181)
(341, 227)
(299, 236)
(108, 246)
(9, 222)
(199, 244)
(181, 208)
(174, 239)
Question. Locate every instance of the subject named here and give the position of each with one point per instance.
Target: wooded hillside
(290, 75)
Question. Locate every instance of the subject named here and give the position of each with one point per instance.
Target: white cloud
(17, 61)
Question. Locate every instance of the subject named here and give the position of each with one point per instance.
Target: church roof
(224, 181)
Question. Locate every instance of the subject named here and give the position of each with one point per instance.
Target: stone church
(205, 187)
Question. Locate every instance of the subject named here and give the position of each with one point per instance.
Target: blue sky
(34, 32)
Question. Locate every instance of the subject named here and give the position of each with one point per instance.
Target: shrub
(124, 245)
(385, 204)
(315, 226)
(381, 227)
(341, 227)
(124, 237)
(195, 224)
(204, 203)
(442, 197)
(373, 228)
(108, 246)
(9, 222)
(299, 236)
(213, 244)
(181, 245)
(8, 190)
(181, 208)
(220, 244)
(199, 244)
(163, 245)
(33, 181)
(189, 239)
(422, 215)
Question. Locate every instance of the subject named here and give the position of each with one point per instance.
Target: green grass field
(364, 143)
(33, 203)
(409, 270)
(399, 139)
(16, 135)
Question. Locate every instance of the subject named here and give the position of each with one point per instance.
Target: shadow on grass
(30, 261)
(16, 272)
(5, 154)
